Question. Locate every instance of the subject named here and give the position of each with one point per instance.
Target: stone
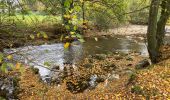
(9, 87)
(142, 64)
(55, 68)
(113, 76)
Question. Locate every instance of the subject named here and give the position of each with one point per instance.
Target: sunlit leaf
(10, 57)
(61, 38)
(67, 3)
(96, 39)
(67, 27)
(67, 37)
(45, 35)
(66, 45)
(77, 8)
(71, 11)
(75, 28)
(79, 36)
(38, 34)
(72, 33)
(18, 66)
(74, 17)
(73, 36)
(81, 1)
(4, 68)
(32, 36)
(81, 40)
(1, 57)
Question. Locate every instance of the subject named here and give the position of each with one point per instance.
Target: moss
(132, 78)
(35, 70)
(137, 90)
(1, 98)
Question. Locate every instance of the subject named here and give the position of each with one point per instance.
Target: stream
(48, 56)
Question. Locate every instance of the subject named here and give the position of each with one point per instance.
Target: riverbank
(122, 30)
(121, 80)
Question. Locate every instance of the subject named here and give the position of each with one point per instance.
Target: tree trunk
(165, 13)
(152, 28)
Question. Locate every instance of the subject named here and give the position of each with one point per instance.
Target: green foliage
(139, 17)
(70, 18)
(137, 90)
(5, 65)
(107, 13)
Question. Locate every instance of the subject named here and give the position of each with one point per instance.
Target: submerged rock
(81, 84)
(142, 64)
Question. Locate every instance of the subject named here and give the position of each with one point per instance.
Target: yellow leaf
(18, 65)
(67, 37)
(81, 1)
(72, 33)
(32, 36)
(96, 39)
(45, 35)
(61, 38)
(9, 57)
(66, 45)
(38, 35)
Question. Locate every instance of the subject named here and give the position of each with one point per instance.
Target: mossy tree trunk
(152, 28)
(156, 28)
(165, 13)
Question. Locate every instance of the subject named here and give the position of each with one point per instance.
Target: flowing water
(45, 57)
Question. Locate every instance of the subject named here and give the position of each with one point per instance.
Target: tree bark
(152, 28)
(165, 13)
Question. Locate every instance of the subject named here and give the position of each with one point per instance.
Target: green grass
(31, 20)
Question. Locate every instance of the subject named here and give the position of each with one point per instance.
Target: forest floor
(126, 83)
(152, 82)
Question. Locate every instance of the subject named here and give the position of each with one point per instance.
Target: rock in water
(142, 64)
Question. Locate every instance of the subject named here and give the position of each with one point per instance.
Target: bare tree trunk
(165, 13)
(152, 28)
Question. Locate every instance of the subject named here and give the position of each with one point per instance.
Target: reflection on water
(117, 43)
